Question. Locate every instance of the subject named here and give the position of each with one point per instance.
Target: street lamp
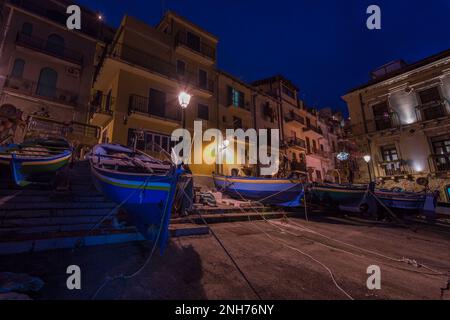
(184, 98)
(367, 159)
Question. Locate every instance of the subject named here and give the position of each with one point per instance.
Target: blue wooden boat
(402, 200)
(142, 185)
(271, 191)
(35, 160)
(337, 194)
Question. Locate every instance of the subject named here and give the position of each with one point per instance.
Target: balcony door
(432, 107)
(157, 103)
(193, 41)
(47, 83)
(441, 150)
(381, 115)
(391, 163)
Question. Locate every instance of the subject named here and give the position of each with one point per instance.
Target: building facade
(45, 69)
(141, 76)
(401, 118)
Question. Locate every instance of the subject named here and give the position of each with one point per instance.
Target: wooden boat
(272, 191)
(35, 159)
(143, 186)
(402, 200)
(337, 194)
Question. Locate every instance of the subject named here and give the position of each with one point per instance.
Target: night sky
(323, 46)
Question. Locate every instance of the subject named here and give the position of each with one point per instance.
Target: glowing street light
(367, 159)
(184, 99)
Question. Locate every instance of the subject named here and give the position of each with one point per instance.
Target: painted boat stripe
(257, 181)
(133, 184)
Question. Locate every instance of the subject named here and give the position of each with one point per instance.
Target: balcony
(31, 88)
(441, 162)
(298, 166)
(198, 47)
(142, 105)
(292, 116)
(43, 46)
(159, 66)
(431, 110)
(388, 120)
(101, 103)
(394, 168)
(297, 142)
(313, 129)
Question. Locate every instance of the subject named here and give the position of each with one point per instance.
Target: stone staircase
(38, 218)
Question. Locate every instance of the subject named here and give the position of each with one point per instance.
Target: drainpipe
(366, 131)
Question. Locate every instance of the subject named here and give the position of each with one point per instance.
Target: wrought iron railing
(431, 110)
(202, 48)
(50, 127)
(40, 90)
(389, 120)
(394, 168)
(101, 103)
(49, 48)
(441, 162)
(292, 116)
(293, 141)
(142, 105)
(158, 65)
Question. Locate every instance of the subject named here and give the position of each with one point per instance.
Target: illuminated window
(235, 97)
(381, 115)
(441, 149)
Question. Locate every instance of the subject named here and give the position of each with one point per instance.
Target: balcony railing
(292, 116)
(314, 129)
(158, 65)
(49, 48)
(142, 105)
(389, 120)
(46, 126)
(298, 166)
(201, 48)
(42, 91)
(394, 168)
(441, 162)
(297, 142)
(432, 110)
(101, 103)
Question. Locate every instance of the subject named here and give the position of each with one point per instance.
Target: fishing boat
(35, 160)
(403, 200)
(271, 191)
(330, 194)
(142, 185)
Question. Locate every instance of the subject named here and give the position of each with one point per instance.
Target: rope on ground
(296, 249)
(227, 252)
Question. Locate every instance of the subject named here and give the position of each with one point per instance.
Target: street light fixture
(367, 159)
(183, 99)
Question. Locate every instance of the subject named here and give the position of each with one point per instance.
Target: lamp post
(367, 159)
(183, 99)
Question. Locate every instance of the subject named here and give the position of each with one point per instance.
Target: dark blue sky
(321, 45)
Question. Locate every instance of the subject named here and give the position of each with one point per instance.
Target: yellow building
(401, 118)
(141, 76)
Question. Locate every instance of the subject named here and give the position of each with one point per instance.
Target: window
(391, 161)
(55, 44)
(294, 134)
(27, 28)
(47, 83)
(193, 41)
(319, 175)
(333, 144)
(381, 116)
(314, 146)
(150, 141)
(288, 92)
(308, 122)
(203, 112)
(237, 122)
(17, 71)
(202, 79)
(157, 103)
(321, 147)
(235, 97)
(432, 107)
(224, 119)
(308, 145)
(441, 150)
(181, 67)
